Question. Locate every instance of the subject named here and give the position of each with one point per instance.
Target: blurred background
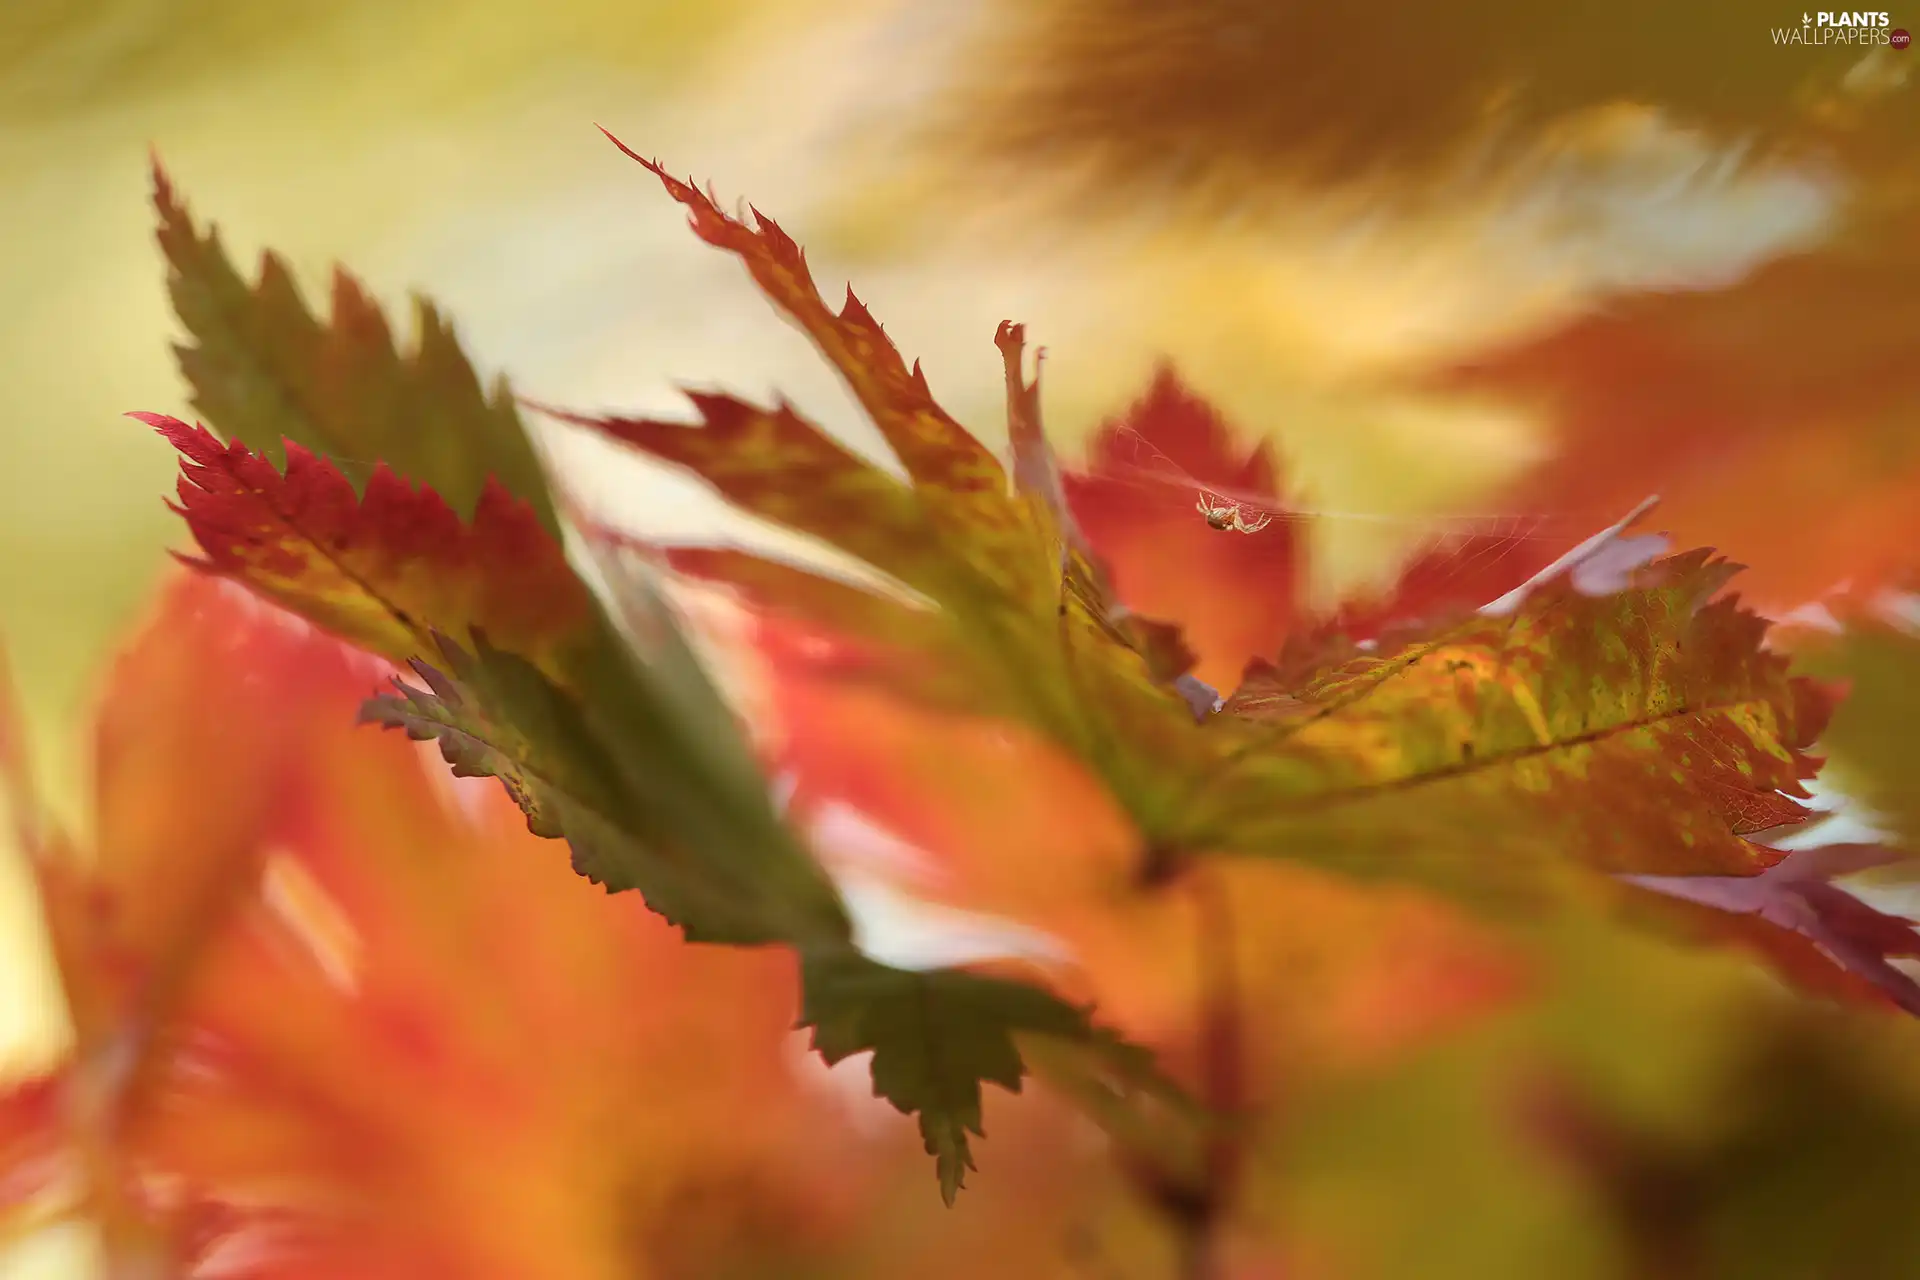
(1308, 209)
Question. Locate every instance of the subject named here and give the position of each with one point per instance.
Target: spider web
(1444, 547)
(1149, 467)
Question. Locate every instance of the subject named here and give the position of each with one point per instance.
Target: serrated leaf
(1524, 727)
(264, 370)
(936, 1037)
(637, 764)
(397, 572)
(385, 569)
(940, 454)
(1046, 644)
(395, 569)
(637, 814)
(1642, 731)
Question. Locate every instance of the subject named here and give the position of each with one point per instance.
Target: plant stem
(1222, 1072)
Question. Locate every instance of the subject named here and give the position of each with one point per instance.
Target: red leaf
(376, 1030)
(1776, 416)
(385, 570)
(263, 370)
(1234, 597)
(34, 1156)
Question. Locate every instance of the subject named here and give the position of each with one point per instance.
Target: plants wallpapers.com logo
(1856, 29)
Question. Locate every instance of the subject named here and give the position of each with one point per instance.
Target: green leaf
(638, 811)
(936, 1037)
(264, 370)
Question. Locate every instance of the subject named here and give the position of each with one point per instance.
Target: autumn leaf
(1646, 703)
(1853, 901)
(1239, 597)
(330, 1059)
(1044, 647)
(1657, 702)
(636, 818)
(1235, 598)
(604, 727)
(1333, 966)
(384, 569)
(391, 569)
(264, 371)
(1052, 853)
(396, 568)
(958, 475)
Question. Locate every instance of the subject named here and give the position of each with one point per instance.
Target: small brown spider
(1222, 514)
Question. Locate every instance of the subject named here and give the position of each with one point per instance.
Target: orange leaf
(400, 1038)
(1776, 417)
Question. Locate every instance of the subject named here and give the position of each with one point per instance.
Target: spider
(1222, 514)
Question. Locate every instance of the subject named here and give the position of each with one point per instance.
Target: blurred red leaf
(376, 1029)
(34, 1154)
(1238, 597)
(1776, 416)
(1234, 597)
